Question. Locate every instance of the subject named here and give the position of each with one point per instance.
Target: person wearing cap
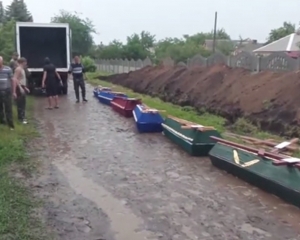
(49, 81)
(78, 73)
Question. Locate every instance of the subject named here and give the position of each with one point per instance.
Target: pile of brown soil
(267, 98)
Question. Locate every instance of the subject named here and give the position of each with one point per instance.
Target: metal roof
(289, 43)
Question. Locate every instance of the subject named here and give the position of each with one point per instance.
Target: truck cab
(35, 42)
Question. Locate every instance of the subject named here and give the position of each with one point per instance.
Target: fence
(279, 62)
(121, 66)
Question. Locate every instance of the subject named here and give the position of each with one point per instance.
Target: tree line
(137, 45)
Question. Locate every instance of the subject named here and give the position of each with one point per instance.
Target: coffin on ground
(192, 137)
(273, 172)
(147, 119)
(124, 105)
(106, 97)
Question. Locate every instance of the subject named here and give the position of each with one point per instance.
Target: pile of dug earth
(266, 98)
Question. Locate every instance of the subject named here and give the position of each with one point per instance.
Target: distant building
(288, 44)
(246, 45)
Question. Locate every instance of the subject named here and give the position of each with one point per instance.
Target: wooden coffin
(106, 97)
(124, 105)
(147, 119)
(192, 137)
(98, 89)
(271, 171)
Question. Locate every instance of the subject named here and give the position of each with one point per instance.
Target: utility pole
(215, 32)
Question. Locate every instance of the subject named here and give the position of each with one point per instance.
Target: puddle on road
(123, 222)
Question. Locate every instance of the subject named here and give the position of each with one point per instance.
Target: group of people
(51, 84)
(14, 85)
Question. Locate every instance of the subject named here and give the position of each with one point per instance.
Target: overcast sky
(116, 19)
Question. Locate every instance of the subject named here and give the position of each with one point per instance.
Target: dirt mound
(267, 98)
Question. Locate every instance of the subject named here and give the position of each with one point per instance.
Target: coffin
(271, 171)
(106, 97)
(124, 105)
(98, 89)
(147, 120)
(192, 137)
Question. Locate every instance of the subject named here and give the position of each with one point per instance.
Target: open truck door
(35, 42)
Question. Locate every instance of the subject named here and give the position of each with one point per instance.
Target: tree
(7, 39)
(190, 45)
(278, 33)
(114, 50)
(2, 13)
(82, 30)
(18, 11)
(139, 46)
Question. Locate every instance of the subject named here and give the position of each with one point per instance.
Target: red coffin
(125, 106)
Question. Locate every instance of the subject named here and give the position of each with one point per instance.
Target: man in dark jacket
(78, 73)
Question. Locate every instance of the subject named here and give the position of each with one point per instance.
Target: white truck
(36, 41)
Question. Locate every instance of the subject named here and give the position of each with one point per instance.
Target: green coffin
(193, 141)
(283, 181)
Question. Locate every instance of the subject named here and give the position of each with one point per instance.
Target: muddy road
(101, 180)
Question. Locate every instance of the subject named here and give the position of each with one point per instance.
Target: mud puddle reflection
(123, 222)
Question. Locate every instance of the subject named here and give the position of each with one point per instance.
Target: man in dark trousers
(7, 89)
(22, 90)
(78, 73)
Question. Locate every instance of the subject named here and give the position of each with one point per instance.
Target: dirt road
(101, 180)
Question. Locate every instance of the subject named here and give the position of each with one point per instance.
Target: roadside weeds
(17, 205)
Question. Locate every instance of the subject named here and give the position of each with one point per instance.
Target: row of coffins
(263, 163)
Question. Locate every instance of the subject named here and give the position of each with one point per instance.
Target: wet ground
(101, 180)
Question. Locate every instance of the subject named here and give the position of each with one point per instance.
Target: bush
(89, 64)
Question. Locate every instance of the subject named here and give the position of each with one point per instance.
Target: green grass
(16, 202)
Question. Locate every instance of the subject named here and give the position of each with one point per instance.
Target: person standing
(20, 76)
(14, 61)
(78, 73)
(7, 89)
(51, 83)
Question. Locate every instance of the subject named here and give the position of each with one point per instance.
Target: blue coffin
(105, 97)
(147, 122)
(97, 90)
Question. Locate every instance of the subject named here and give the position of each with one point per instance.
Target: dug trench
(268, 99)
(102, 180)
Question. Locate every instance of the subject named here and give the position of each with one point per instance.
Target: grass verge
(16, 203)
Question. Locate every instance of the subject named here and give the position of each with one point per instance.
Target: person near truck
(22, 90)
(14, 61)
(78, 73)
(7, 90)
(49, 81)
